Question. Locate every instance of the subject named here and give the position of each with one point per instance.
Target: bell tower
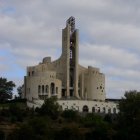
(70, 53)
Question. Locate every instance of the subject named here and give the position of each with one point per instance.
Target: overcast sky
(109, 37)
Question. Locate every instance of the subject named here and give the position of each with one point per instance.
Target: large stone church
(75, 86)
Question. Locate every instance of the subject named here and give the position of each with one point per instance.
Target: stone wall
(83, 106)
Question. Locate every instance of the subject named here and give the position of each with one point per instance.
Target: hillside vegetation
(18, 122)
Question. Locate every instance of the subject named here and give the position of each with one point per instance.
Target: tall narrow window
(52, 88)
(47, 89)
(33, 73)
(42, 88)
(39, 89)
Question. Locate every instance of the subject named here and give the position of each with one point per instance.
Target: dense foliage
(50, 108)
(6, 88)
(129, 116)
(51, 123)
(19, 91)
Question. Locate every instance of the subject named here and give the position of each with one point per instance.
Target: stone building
(64, 77)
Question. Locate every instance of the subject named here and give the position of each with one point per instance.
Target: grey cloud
(110, 55)
(127, 74)
(117, 88)
(25, 31)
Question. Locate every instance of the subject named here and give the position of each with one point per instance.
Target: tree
(6, 88)
(50, 108)
(19, 91)
(129, 116)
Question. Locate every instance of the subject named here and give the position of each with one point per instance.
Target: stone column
(76, 75)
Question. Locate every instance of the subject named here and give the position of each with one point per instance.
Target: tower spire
(71, 22)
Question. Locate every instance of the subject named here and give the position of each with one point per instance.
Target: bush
(70, 115)
(50, 108)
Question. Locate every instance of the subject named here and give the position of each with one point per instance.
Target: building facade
(65, 78)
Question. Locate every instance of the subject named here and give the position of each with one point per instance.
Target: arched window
(85, 108)
(39, 89)
(93, 109)
(42, 88)
(47, 89)
(109, 110)
(98, 109)
(52, 88)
